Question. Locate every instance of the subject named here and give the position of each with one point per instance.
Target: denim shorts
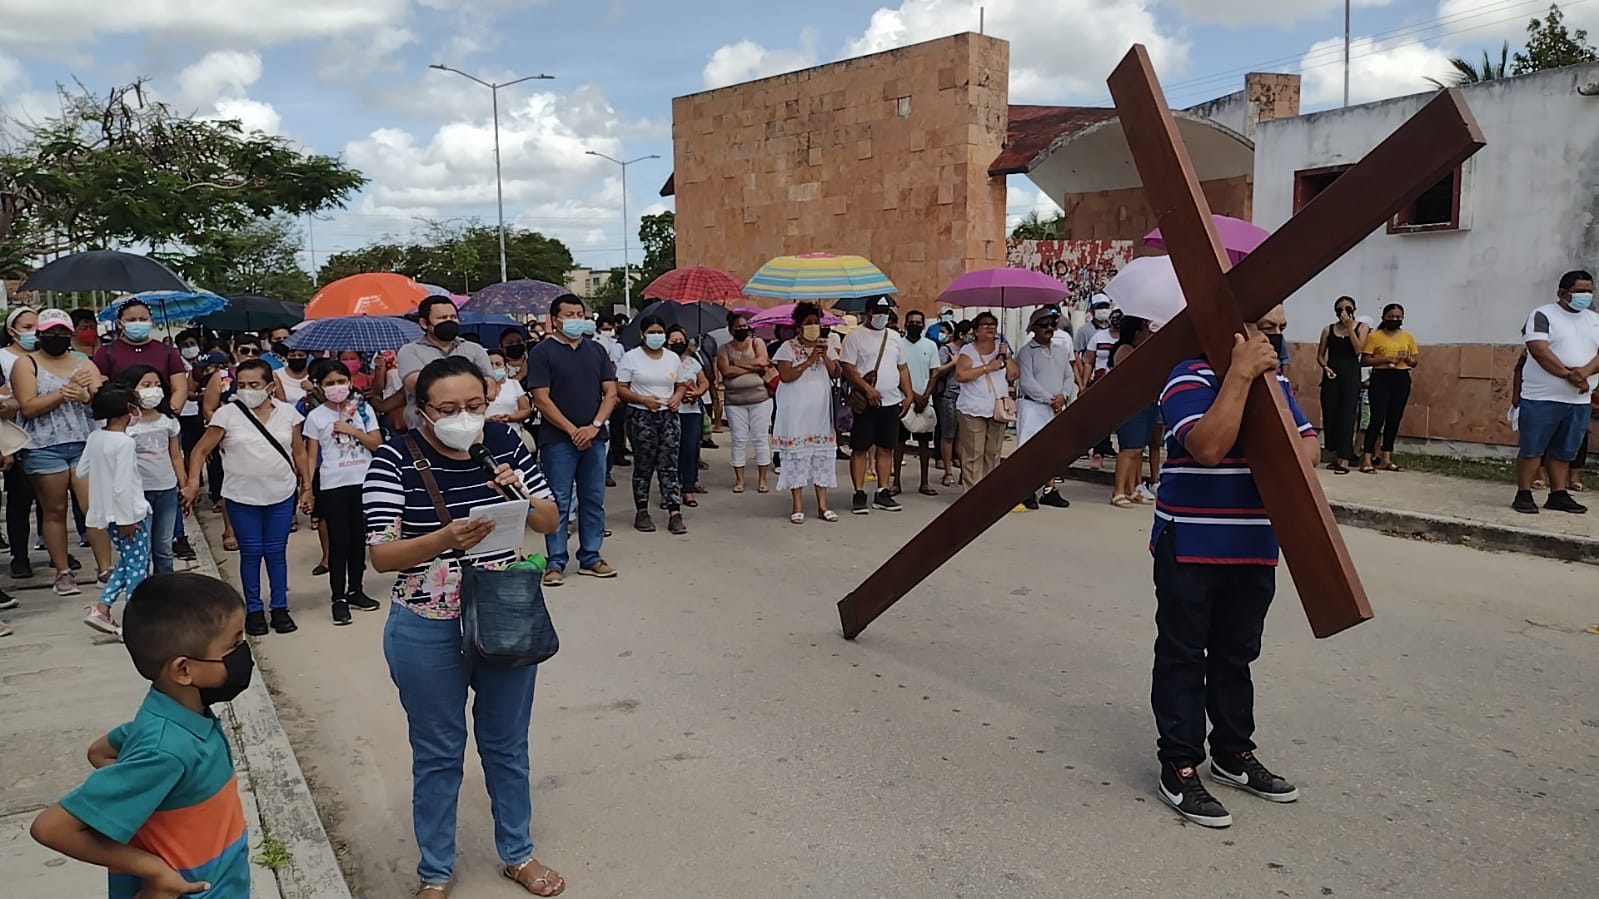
(1551, 428)
(39, 460)
(1134, 434)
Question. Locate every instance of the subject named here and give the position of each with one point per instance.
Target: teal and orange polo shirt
(172, 793)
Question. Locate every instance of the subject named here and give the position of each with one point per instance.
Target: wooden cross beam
(1220, 301)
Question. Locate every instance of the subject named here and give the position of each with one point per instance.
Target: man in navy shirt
(1215, 576)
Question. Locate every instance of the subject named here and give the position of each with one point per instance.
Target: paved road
(706, 732)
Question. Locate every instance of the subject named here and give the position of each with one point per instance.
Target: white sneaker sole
(8, 604)
(1217, 822)
(1228, 780)
(101, 625)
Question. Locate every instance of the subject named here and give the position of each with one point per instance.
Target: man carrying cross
(1215, 575)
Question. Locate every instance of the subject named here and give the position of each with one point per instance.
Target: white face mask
(458, 431)
(150, 397)
(253, 397)
(190, 353)
(879, 322)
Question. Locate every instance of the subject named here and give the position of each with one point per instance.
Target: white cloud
(10, 72)
(247, 22)
(1252, 12)
(1377, 70)
(217, 85)
(1025, 199)
(747, 60)
(347, 60)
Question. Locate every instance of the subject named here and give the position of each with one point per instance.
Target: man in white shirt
(921, 356)
(875, 365)
(1557, 383)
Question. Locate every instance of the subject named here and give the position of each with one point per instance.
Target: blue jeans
(432, 675)
(163, 519)
(568, 469)
(263, 533)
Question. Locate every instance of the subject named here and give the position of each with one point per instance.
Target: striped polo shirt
(172, 793)
(1216, 512)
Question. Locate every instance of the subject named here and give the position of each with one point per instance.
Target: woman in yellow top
(1391, 352)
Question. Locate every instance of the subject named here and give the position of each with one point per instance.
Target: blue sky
(351, 77)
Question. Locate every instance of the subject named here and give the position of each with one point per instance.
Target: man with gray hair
(1046, 385)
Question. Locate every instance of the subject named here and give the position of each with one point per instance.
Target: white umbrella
(1147, 288)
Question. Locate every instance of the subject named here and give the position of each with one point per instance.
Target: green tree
(610, 293)
(1467, 72)
(263, 257)
(124, 169)
(657, 234)
(386, 255)
(1551, 46)
(1035, 227)
(461, 256)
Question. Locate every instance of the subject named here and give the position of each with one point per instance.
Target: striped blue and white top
(398, 507)
(1216, 512)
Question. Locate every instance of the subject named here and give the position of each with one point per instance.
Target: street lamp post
(627, 280)
(499, 189)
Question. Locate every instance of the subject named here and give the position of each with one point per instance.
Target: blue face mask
(655, 341)
(1581, 301)
(28, 340)
(137, 330)
(576, 328)
(499, 374)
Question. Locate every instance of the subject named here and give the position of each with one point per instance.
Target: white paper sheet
(510, 527)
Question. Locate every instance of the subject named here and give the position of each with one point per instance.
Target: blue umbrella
(168, 306)
(362, 333)
(486, 329)
(522, 297)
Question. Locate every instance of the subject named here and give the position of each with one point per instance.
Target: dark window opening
(1437, 209)
(1309, 183)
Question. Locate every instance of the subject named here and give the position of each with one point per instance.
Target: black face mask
(280, 348)
(447, 331)
(55, 344)
(678, 348)
(1392, 325)
(1277, 343)
(296, 364)
(913, 332)
(515, 350)
(239, 664)
(826, 331)
(741, 335)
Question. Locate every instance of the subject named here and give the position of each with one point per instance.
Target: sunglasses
(248, 351)
(1346, 309)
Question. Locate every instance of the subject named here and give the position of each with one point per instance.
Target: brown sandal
(536, 877)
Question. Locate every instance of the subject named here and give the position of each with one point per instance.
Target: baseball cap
(54, 318)
(212, 358)
(1099, 300)
(880, 303)
(1044, 313)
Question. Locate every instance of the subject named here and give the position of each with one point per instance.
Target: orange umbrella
(374, 293)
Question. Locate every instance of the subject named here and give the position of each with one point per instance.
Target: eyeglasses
(247, 351)
(474, 407)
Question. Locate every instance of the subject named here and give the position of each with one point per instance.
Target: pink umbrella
(1004, 288)
(459, 299)
(1238, 237)
(784, 315)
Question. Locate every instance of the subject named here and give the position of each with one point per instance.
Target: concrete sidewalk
(62, 685)
(1445, 509)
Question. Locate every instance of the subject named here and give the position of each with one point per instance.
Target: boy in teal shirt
(161, 812)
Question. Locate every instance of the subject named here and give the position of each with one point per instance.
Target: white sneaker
(1146, 493)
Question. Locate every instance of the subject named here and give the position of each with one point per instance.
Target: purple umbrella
(520, 298)
(1004, 288)
(1238, 237)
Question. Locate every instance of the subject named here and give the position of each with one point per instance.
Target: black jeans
(340, 511)
(1340, 410)
(1390, 391)
(19, 506)
(1208, 624)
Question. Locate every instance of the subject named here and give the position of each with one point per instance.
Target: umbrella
(521, 297)
(362, 333)
(435, 290)
(252, 312)
(105, 270)
(696, 320)
(697, 284)
(167, 306)
(856, 305)
(818, 276)
(373, 293)
(784, 315)
(1147, 288)
(1004, 288)
(1238, 237)
(488, 328)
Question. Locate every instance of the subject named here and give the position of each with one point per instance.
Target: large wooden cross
(1220, 300)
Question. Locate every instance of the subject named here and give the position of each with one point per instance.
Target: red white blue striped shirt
(1216, 512)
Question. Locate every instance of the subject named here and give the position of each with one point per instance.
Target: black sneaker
(675, 525)
(362, 603)
(1524, 503)
(622, 462)
(1054, 500)
(183, 550)
(255, 624)
(1245, 772)
(642, 522)
(341, 612)
(1030, 503)
(319, 570)
(73, 563)
(610, 481)
(1561, 501)
(21, 569)
(282, 623)
(858, 504)
(886, 501)
(7, 601)
(1181, 788)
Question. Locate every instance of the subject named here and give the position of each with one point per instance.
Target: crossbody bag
(858, 402)
(250, 416)
(1004, 404)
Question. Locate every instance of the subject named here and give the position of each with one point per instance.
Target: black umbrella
(856, 305)
(696, 320)
(110, 270)
(252, 312)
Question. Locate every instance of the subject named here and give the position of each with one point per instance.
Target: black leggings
(1389, 392)
(19, 505)
(342, 517)
(1340, 409)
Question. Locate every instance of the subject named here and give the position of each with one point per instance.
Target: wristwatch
(599, 423)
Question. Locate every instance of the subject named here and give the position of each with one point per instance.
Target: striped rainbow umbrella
(819, 276)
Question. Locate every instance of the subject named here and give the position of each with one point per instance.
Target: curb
(1436, 528)
(275, 792)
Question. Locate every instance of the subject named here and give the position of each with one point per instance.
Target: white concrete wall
(1529, 196)
(1231, 111)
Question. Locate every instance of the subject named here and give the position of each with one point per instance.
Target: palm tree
(1468, 73)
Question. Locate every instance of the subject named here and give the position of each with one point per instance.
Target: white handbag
(923, 422)
(12, 438)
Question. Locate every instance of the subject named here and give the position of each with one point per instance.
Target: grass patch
(1502, 472)
(273, 854)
